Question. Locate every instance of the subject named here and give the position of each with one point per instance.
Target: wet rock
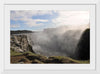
(83, 47)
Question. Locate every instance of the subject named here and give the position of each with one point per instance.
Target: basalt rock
(19, 43)
(83, 47)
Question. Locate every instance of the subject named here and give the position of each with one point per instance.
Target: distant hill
(20, 31)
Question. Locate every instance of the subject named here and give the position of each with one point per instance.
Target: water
(55, 42)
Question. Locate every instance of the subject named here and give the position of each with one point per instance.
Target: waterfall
(55, 41)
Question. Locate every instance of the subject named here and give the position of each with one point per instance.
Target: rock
(36, 61)
(19, 43)
(20, 63)
(30, 48)
(36, 56)
(24, 60)
(17, 49)
(83, 47)
(60, 59)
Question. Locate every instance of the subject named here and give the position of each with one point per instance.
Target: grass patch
(84, 61)
(37, 61)
(44, 59)
(13, 53)
(68, 59)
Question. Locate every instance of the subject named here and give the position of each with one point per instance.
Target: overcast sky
(40, 19)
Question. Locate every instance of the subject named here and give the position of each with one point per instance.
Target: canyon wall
(19, 43)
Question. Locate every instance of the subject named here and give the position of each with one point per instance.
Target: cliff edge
(19, 43)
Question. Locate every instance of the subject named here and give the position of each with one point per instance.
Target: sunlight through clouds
(72, 18)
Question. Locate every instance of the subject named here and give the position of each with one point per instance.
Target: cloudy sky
(40, 19)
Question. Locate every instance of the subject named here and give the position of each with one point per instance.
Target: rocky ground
(22, 53)
(19, 43)
(32, 58)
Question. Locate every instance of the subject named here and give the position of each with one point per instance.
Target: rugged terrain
(32, 58)
(19, 43)
(23, 53)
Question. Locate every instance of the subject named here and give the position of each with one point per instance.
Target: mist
(59, 41)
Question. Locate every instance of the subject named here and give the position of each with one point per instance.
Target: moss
(13, 53)
(36, 61)
(32, 56)
(28, 53)
(84, 61)
(62, 59)
(25, 60)
(36, 58)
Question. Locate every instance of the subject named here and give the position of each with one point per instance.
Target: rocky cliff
(19, 43)
(83, 47)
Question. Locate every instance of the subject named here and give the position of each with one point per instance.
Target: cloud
(63, 17)
(26, 17)
(32, 22)
(14, 26)
(40, 20)
(15, 15)
(72, 18)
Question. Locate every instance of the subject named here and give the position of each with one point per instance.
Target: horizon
(70, 27)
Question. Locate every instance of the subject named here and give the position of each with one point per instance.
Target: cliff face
(83, 47)
(19, 43)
